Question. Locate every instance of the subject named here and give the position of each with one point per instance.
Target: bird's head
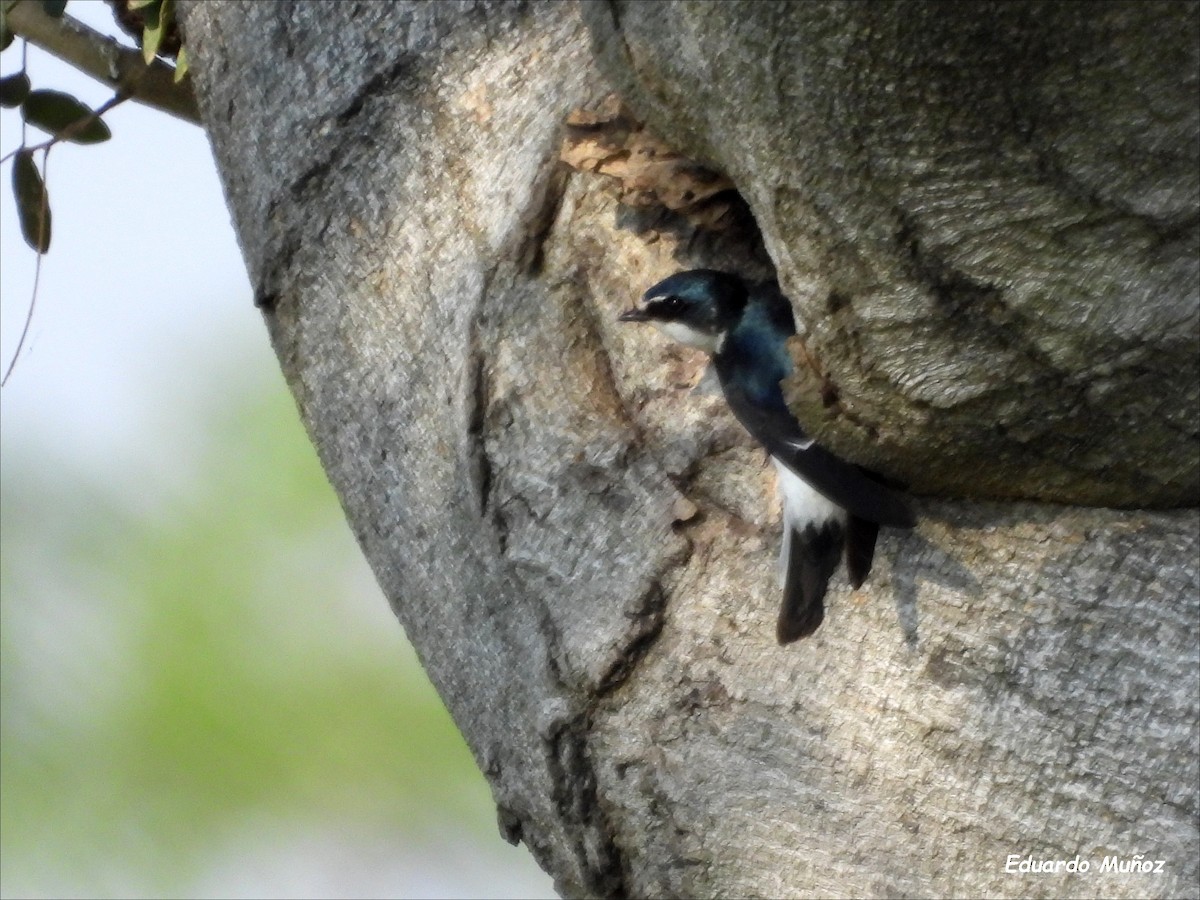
(696, 308)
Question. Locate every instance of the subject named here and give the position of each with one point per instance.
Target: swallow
(832, 509)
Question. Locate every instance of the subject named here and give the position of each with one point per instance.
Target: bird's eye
(672, 306)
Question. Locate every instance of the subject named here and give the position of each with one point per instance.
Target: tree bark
(985, 218)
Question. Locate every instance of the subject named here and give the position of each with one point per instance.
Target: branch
(104, 59)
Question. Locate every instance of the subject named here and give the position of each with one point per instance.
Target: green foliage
(64, 117)
(229, 677)
(6, 34)
(33, 201)
(155, 25)
(181, 63)
(14, 89)
(158, 28)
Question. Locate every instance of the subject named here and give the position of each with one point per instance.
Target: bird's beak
(633, 315)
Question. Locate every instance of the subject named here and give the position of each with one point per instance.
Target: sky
(143, 323)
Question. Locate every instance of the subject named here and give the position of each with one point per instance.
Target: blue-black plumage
(832, 509)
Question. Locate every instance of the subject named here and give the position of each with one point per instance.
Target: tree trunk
(986, 219)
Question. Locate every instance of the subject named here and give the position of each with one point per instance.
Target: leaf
(56, 112)
(14, 89)
(33, 203)
(54, 8)
(142, 4)
(6, 36)
(181, 64)
(153, 30)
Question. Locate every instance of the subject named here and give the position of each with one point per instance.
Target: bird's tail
(810, 556)
(860, 549)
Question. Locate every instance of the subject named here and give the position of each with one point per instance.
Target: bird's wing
(841, 482)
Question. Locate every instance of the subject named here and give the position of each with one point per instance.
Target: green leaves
(14, 89)
(59, 114)
(152, 33)
(33, 203)
(160, 34)
(158, 16)
(6, 35)
(64, 117)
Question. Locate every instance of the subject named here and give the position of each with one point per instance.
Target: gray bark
(986, 214)
(985, 217)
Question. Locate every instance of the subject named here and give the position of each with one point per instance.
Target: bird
(832, 509)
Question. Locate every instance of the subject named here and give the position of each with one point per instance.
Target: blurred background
(202, 690)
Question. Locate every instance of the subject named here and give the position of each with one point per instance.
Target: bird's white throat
(685, 334)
